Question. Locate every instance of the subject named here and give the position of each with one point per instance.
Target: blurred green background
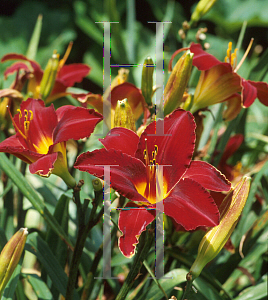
(133, 38)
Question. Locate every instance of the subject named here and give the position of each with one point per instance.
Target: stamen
(25, 115)
(26, 127)
(229, 51)
(19, 113)
(14, 124)
(233, 59)
(31, 117)
(244, 56)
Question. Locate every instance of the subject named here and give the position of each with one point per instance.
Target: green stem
(189, 288)
(142, 252)
(83, 230)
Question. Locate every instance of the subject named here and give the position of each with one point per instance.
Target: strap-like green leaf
(33, 45)
(39, 247)
(40, 288)
(29, 192)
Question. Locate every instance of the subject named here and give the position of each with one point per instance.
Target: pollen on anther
(19, 112)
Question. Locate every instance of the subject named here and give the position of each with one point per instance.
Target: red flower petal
(42, 121)
(232, 145)
(175, 149)
(123, 139)
(190, 205)
(208, 176)
(203, 60)
(262, 91)
(14, 56)
(13, 146)
(75, 123)
(249, 93)
(132, 221)
(44, 165)
(70, 74)
(126, 171)
(16, 67)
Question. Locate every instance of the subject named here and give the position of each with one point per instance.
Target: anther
(19, 112)
(31, 116)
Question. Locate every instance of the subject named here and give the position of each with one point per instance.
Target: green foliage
(50, 210)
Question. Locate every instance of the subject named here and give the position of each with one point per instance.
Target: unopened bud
(10, 256)
(97, 185)
(123, 115)
(215, 239)
(49, 76)
(201, 9)
(177, 82)
(147, 80)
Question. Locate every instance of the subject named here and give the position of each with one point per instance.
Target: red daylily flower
(42, 132)
(67, 75)
(219, 81)
(137, 176)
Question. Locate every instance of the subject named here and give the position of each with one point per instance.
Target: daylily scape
(134, 174)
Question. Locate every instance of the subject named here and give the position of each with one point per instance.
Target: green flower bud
(215, 239)
(177, 82)
(49, 77)
(123, 115)
(10, 256)
(147, 80)
(97, 185)
(201, 9)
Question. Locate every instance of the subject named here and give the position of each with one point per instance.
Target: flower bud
(177, 82)
(49, 77)
(201, 9)
(215, 239)
(123, 115)
(10, 256)
(147, 80)
(97, 185)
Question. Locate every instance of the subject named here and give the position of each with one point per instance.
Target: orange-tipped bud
(215, 239)
(10, 256)
(177, 82)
